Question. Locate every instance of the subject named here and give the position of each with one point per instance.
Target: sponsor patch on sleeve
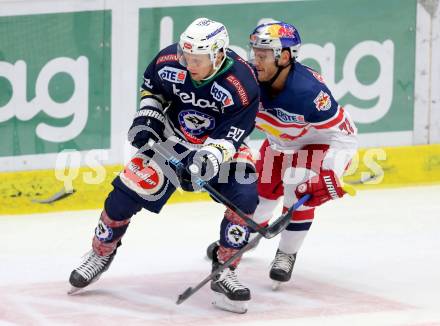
(242, 94)
(147, 83)
(317, 76)
(166, 58)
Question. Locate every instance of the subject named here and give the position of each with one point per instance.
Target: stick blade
(63, 193)
(275, 229)
(185, 295)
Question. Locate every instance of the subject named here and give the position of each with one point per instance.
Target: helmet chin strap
(215, 68)
(268, 84)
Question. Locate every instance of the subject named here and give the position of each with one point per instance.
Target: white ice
(369, 260)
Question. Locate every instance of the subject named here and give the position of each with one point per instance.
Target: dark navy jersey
(305, 112)
(220, 110)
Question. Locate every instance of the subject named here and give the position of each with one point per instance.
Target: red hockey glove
(323, 187)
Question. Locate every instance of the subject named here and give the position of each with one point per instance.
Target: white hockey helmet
(205, 36)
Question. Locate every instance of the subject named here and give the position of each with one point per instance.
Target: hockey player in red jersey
(310, 139)
(202, 98)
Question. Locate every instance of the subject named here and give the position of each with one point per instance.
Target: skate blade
(276, 285)
(73, 290)
(222, 302)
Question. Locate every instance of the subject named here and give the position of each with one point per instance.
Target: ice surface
(369, 260)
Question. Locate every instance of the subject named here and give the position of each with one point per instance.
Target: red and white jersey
(304, 113)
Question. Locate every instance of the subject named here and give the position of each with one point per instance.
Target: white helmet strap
(215, 67)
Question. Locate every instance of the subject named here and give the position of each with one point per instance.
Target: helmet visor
(198, 61)
(261, 55)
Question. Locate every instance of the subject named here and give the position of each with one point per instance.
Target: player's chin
(262, 77)
(195, 76)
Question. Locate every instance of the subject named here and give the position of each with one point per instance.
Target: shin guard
(234, 235)
(107, 234)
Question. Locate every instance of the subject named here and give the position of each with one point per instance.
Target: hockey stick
(361, 181)
(191, 290)
(268, 232)
(63, 193)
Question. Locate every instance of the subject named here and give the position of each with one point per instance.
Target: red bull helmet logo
(278, 30)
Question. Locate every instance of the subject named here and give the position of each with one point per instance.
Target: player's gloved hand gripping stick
(267, 232)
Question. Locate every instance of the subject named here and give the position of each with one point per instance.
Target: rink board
(392, 166)
(61, 92)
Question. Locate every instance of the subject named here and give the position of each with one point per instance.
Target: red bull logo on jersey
(281, 31)
(323, 101)
(173, 75)
(222, 95)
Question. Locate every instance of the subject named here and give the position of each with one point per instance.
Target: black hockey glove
(200, 164)
(148, 124)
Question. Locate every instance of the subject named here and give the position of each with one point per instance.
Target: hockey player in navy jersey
(310, 139)
(201, 100)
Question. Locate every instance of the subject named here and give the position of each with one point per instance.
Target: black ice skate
(229, 293)
(90, 270)
(282, 266)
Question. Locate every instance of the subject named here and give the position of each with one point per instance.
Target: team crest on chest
(195, 122)
(322, 101)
